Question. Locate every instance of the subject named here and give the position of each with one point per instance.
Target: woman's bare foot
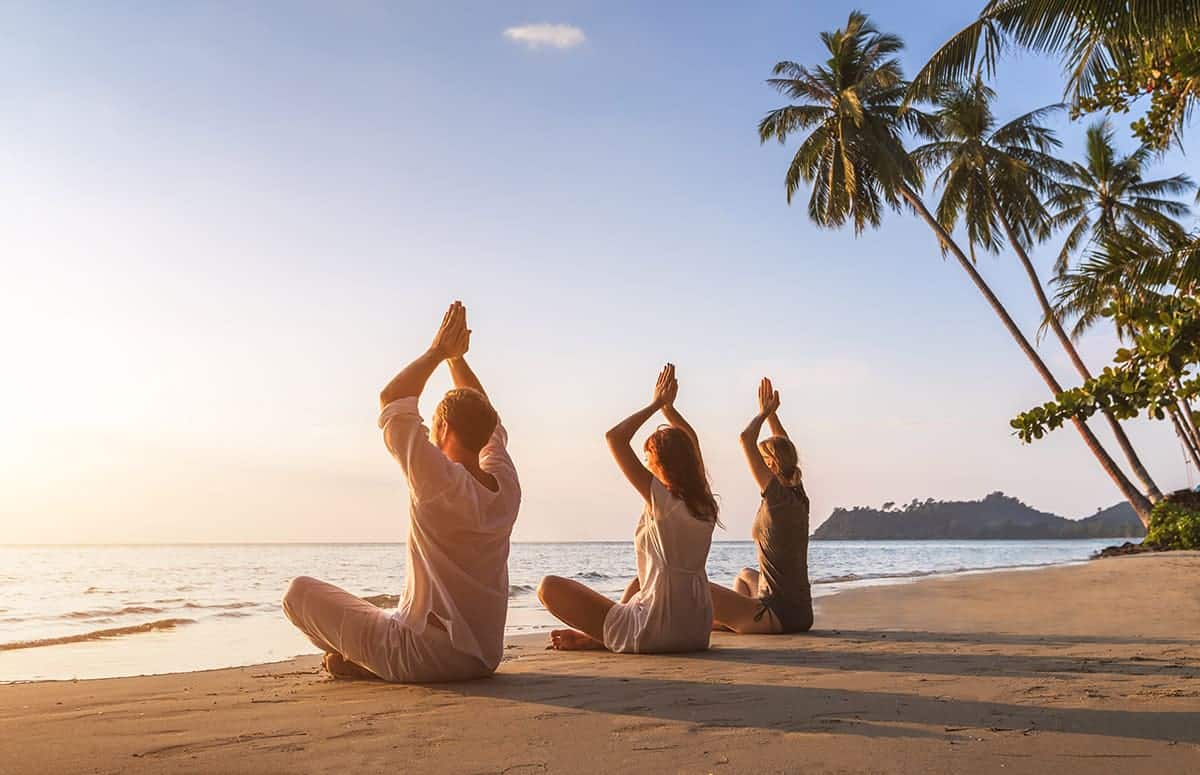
(573, 640)
(338, 667)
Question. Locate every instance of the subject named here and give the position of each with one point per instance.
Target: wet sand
(1086, 668)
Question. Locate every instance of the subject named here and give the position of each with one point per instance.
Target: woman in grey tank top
(777, 597)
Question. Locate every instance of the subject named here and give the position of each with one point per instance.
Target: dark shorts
(794, 616)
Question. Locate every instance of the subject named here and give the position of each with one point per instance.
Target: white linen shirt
(458, 537)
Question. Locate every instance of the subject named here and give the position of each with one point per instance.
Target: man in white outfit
(464, 498)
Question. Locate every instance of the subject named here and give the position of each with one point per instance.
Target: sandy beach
(1084, 668)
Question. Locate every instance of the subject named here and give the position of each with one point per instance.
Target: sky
(227, 225)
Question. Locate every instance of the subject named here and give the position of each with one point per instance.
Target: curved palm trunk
(1180, 413)
(1185, 438)
(1137, 500)
(1189, 420)
(1139, 470)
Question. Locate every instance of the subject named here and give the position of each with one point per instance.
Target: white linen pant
(337, 621)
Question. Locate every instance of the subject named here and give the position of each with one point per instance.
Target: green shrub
(1174, 526)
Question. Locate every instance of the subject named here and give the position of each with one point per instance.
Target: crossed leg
(746, 582)
(339, 667)
(336, 622)
(578, 606)
(740, 610)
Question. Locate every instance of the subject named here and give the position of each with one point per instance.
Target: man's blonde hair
(470, 415)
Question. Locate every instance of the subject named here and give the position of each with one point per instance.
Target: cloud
(561, 36)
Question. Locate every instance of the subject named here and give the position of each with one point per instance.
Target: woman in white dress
(668, 607)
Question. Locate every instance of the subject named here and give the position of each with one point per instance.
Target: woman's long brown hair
(683, 471)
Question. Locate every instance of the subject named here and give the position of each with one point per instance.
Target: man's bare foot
(573, 640)
(338, 667)
(718, 627)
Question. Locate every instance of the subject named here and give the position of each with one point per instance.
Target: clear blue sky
(226, 225)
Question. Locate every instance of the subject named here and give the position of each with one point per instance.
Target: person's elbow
(387, 396)
(393, 393)
(614, 438)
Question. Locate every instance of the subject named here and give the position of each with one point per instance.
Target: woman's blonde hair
(781, 457)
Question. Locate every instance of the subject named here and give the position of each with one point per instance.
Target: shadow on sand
(718, 703)
(808, 709)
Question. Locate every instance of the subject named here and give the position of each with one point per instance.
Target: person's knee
(546, 589)
(296, 592)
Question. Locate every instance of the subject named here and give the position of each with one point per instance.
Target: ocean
(102, 611)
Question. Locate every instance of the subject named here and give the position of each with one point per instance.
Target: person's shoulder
(665, 505)
(401, 409)
(662, 501)
(777, 491)
(496, 448)
(659, 487)
(495, 460)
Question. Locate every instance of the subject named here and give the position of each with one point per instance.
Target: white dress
(673, 610)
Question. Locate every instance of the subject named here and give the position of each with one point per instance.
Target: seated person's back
(459, 531)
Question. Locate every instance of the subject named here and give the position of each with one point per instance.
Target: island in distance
(996, 517)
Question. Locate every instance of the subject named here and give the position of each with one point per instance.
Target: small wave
(233, 614)
(116, 632)
(516, 590)
(103, 591)
(591, 574)
(221, 605)
(838, 579)
(169, 600)
(107, 612)
(916, 574)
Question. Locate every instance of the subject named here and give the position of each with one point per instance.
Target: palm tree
(1127, 273)
(1093, 37)
(1137, 247)
(854, 157)
(993, 179)
(1135, 279)
(1106, 197)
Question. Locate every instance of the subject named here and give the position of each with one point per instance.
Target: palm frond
(1092, 37)
(782, 122)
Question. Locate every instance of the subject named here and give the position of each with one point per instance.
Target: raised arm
(621, 434)
(768, 403)
(462, 374)
(676, 419)
(428, 470)
(773, 421)
(450, 341)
